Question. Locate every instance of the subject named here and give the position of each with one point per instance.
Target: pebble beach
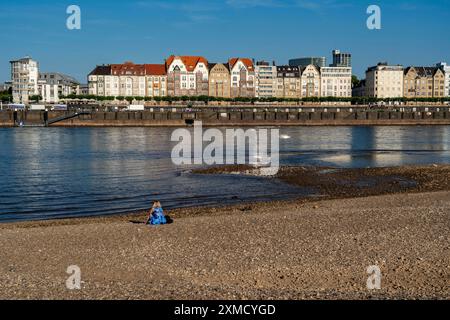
(302, 249)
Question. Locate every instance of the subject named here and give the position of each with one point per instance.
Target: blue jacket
(158, 217)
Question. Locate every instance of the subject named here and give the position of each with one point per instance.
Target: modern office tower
(341, 59)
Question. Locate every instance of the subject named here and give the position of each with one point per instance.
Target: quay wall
(231, 118)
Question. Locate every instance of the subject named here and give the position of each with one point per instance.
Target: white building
(243, 80)
(24, 78)
(336, 82)
(446, 68)
(310, 81)
(97, 80)
(187, 76)
(128, 80)
(266, 80)
(53, 86)
(385, 81)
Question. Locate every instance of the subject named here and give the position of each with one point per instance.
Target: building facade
(97, 80)
(288, 82)
(219, 80)
(84, 89)
(336, 82)
(446, 69)
(187, 76)
(319, 62)
(242, 72)
(341, 59)
(424, 82)
(127, 80)
(156, 80)
(24, 79)
(310, 81)
(360, 89)
(384, 81)
(53, 86)
(266, 79)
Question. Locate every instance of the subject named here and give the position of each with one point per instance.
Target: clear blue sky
(414, 32)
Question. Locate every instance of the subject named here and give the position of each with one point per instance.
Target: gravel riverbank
(291, 250)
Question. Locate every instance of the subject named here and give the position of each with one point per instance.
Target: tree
(355, 81)
(36, 98)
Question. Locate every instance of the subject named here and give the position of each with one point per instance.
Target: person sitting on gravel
(157, 216)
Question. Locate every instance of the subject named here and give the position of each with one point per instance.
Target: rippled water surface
(69, 172)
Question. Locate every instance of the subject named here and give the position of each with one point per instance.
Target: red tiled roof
(155, 69)
(128, 68)
(189, 61)
(247, 62)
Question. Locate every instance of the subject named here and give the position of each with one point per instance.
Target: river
(48, 173)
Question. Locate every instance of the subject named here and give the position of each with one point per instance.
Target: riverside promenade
(236, 116)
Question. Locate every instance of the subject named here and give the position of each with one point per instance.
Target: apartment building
(24, 79)
(310, 81)
(288, 82)
(384, 81)
(266, 79)
(128, 80)
(97, 80)
(336, 82)
(446, 69)
(219, 80)
(156, 80)
(187, 76)
(242, 77)
(424, 82)
(53, 86)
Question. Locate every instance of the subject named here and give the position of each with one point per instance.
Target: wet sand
(303, 249)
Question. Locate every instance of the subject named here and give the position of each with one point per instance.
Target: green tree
(355, 81)
(36, 98)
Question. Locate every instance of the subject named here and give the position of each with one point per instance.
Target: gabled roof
(212, 65)
(247, 62)
(303, 68)
(101, 71)
(190, 62)
(155, 69)
(423, 72)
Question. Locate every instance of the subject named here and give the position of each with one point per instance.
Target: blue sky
(415, 32)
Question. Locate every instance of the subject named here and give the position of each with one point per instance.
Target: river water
(48, 173)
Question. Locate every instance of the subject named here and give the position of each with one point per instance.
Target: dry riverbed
(303, 249)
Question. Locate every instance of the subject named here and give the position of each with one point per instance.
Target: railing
(65, 117)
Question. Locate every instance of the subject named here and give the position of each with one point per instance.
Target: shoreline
(276, 251)
(331, 183)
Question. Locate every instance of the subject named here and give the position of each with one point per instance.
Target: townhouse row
(238, 77)
(395, 81)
